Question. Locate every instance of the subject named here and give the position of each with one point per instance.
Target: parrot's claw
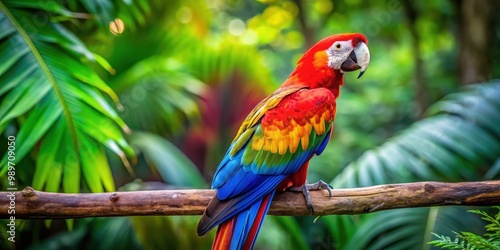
(320, 185)
(315, 186)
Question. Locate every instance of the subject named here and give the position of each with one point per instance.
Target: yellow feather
(267, 145)
(294, 140)
(321, 126)
(307, 129)
(288, 141)
(316, 127)
(257, 143)
(320, 59)
(282, 147)
(305, 142)
(274, 146)
(276, 135)
(267, 133)
(300, 130)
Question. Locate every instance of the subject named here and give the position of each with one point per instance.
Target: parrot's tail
(241, 231)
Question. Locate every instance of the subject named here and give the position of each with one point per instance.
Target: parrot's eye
(338, 46)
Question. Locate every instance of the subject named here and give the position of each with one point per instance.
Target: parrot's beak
(358, 59)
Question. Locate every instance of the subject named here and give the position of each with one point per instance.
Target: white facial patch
(338, 53)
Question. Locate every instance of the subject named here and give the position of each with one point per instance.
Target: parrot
(272, 148)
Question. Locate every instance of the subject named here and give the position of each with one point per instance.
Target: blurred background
(148, 94)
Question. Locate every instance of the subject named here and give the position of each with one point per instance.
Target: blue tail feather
(244, 223)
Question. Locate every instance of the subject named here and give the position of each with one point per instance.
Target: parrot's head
(334, 55)
(347, 52)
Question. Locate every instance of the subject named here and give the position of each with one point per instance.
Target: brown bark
(421, 93)
(307, 30)
(31, 204)
(475, 40)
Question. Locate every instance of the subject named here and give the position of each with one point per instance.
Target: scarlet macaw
(273, 146)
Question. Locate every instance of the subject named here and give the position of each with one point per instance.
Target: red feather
(224, 235)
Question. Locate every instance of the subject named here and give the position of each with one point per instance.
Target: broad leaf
(173, 166)
(58, 102)
(458, 140)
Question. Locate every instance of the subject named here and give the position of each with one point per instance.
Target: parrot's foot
(315, 186)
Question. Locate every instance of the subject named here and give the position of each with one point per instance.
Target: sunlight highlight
(116, 26)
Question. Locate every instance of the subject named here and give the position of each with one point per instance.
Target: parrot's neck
(312, 71)
(316, 77)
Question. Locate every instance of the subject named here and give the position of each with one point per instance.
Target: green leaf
(293, 230)
(104, 10)
(173, 166)
(340, 227)
(157, 98)
(49, 154)
(54, 7)
(459, 139)
(57, 100)
(95, 167)
(451, 143)
(28, 136)
(493, 171)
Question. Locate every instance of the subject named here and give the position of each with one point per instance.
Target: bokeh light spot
(236, 27)
(323, 6)
(184, 15)
(250, 37)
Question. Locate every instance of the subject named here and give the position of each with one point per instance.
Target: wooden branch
(31, 204)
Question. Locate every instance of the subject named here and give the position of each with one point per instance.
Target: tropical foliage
(155, 104)
(43, 76)
(456, 142)
(468, 240)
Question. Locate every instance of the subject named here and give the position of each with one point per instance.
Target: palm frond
(157, 97)
(132, 13)
(406, 228)
(60, 101)
(459, 140)
(456, 142)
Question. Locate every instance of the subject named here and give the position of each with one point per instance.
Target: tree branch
(31, 204)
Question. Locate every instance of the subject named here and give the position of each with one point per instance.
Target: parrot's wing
(256, 115)
(275, 143)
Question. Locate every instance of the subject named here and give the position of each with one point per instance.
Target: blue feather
(244, 223)
(246, 199)
(323, 144)
(227, 168)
